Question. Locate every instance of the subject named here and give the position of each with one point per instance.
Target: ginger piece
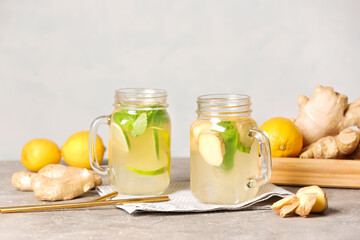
(355, 154)
(326, 148)
(199, 127)
(321, 203)
(243, 128)
(307, 202)
(22, 180)
(211, 148)
(326, 113)
(286, 205)
(307, 199)
(58, 182)
(345, 143)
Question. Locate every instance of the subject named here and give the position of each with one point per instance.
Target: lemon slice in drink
(153, 172)
(152, 165)
(119, 138)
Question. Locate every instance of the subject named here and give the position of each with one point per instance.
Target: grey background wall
(61, 61)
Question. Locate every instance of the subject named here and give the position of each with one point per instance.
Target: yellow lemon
(285, 138)
(75, 151)
(38, 153)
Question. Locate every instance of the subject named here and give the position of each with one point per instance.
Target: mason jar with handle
(139, 142)
(225, 167)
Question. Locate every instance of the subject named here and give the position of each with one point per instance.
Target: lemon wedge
(119, 138)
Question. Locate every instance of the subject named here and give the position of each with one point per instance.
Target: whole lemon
(75, 151)
(285, 137)
(38, 153)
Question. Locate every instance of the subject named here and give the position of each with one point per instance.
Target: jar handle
(266, 160)
(92, 144)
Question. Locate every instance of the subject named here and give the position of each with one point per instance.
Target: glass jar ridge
(140, 98)
(223, 106)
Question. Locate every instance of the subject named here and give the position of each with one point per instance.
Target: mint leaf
(230, 138)
(135, 119)
(161, 117)
(124, 118)
(139, 126)
(241, 148)
(151, 114)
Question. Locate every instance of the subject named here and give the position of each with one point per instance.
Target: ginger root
(22, 180)
(286, 205)
(321, 203)
(326, 113)
(355, 154)
(307, 199)
(307, 202)
(345, 143)
(57, 182)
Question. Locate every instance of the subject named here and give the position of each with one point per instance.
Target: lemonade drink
(224, 151)
(139, 151)
(222, 161)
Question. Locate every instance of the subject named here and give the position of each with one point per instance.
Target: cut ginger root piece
(57, 182)
(330, 147)
(347, 141)
(307, 202)
(321, 203)
(286, 205)
(243, 128)
(200, 127)
(307, 199)
(211, 148)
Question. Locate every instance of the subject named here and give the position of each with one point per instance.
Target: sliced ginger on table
(307, 200)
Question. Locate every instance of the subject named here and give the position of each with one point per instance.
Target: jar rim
(223, 97)
(224, 106)
(141, 91)
(140, 98)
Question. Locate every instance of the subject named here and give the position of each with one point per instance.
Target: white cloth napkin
(181, 200)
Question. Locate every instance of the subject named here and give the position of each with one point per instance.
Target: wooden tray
(322, 172)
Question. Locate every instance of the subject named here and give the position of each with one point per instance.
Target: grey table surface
(341, 221)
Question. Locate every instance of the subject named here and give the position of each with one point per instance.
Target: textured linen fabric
(181, 200)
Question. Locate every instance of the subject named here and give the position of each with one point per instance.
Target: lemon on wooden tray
(285, 138)
(38, 153)
(75, 150)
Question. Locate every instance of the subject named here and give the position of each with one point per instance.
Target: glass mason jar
(225, 167)
(139, 142)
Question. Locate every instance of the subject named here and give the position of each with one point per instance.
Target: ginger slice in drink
(119, 138)
(243, 128)
(199, 127)
(211, 148)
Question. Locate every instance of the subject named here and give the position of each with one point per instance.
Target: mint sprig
(231, 141)
(156, 118)
(139, 126)
(230, 138)
(241, 148)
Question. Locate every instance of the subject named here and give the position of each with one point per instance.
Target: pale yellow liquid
(141, 156)
(211, 184)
